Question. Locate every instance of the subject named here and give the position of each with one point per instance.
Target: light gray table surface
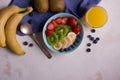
(102, 63)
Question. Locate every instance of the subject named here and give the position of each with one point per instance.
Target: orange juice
(96, 17)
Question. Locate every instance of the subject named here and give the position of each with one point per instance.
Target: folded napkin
(4, 3)
(75, 7)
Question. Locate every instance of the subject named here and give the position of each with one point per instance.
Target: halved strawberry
(50, 26)
(58, 20)
(54, 23)
(49, 32)
(76, 29)
(64, 20)
(72, 21)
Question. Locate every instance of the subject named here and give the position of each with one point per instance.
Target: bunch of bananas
(10, 17)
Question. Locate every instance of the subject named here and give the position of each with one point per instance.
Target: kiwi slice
(59, 36)
(63, 29)
(52, 39)
(69, 28)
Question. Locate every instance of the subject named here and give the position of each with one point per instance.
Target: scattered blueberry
(25, 43)
(30, 45)
(89, 36)
(92, 38)
(97, 38)
(93, 30)
(88, 44)
(95, 41)
(30, 21)
(88, 50)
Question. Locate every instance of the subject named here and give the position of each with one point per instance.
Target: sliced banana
(58, 46)
(72, 36)
(64, 43)
(69, 42)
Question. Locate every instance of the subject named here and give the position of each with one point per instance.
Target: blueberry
(62, 50)
(88, 50)
(89, 36)
(30, 14)
(97, 38)
(78, 39)
(25, 43)
(73, 46)
(70, 48)
(88, 44)
(30, 21)
(92, 38)
(93, 30)
(30, 45)
(79, 35)
(95, 41)
(75, 43)
(66, 49)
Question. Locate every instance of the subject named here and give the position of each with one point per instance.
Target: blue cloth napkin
(75, 7)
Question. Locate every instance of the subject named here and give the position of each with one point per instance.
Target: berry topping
(50, 26)
(76, 30)
(72, 21)
(64, 20)
(58, 20)
(49, 32)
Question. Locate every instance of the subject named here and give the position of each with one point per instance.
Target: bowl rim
(54, 17)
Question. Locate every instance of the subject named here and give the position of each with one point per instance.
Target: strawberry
(72, 22)
(49, 32)
(64, 20)
(58, 20)
(50, 26)
(54, 23)
(76, 29)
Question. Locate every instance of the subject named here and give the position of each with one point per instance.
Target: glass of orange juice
(95, 17)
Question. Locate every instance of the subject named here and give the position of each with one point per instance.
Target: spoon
(27, 29)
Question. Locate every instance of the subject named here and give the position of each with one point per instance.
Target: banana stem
(22, 9)
(29, 10)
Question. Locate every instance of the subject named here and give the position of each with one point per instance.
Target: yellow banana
(4, 16)
(10, 32)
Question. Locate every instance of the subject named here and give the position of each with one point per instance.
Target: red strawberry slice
(76, 29)
(54, 23)
(64, 20)
(49, 32)
(50, 26)
(72, 22)
(58, 20)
